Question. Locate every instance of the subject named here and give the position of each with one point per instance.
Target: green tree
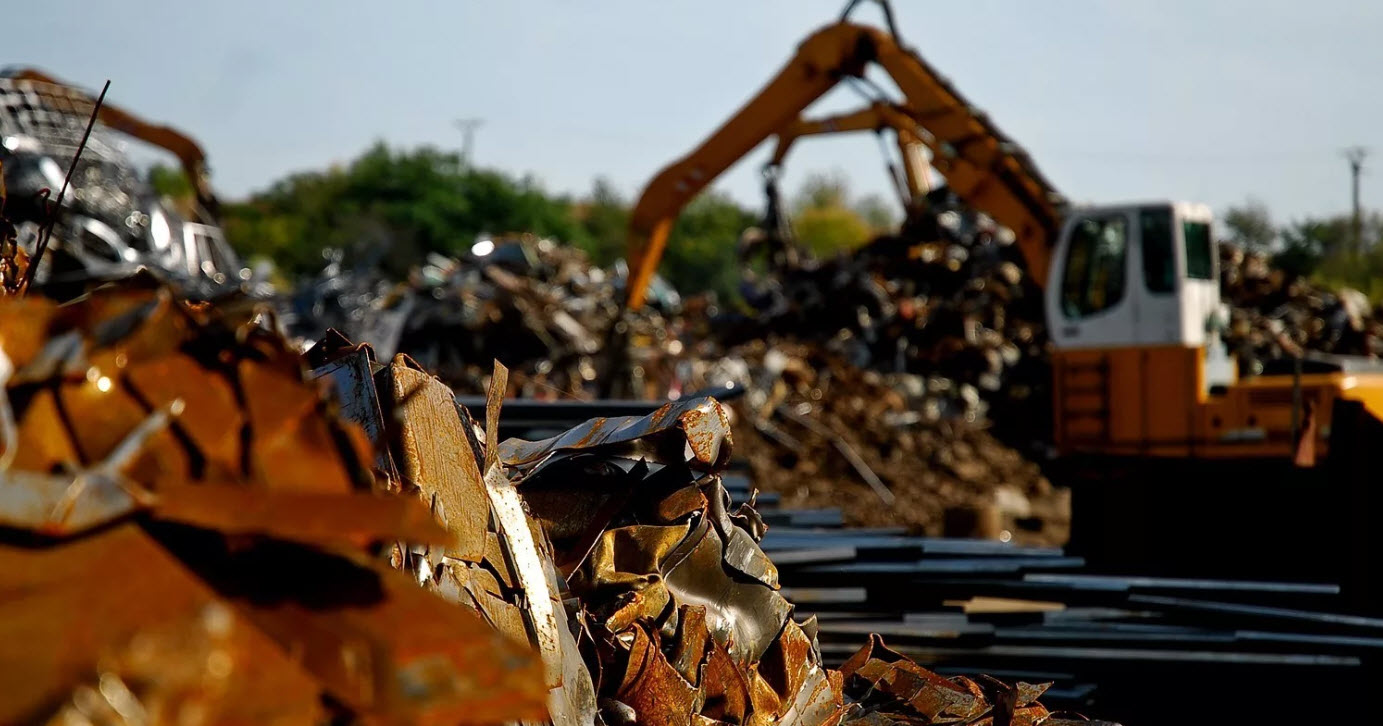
(700, 253)
(170, 181)
(1307, 243)
(1338, 264)
(392, 207)
(1250, 226)
(701, 247)
(823, 219)
(821, 190)
(604, 219)
(877, 212)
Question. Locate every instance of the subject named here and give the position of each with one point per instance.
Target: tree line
(391, 207)
(1323, 249)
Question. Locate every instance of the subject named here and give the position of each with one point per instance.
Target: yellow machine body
(1155, 401)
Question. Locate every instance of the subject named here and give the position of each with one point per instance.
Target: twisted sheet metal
(700, 425)
(190, 534)
(682, 605)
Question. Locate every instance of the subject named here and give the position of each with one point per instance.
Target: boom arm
(980, 164)
(189, 153)
(876, 117)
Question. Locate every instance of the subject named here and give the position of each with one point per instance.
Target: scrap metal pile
(1276, 315)
(199, 529)
(112, 222)
(946, 296)
(857, 367)
(887, 449)
(541, 307)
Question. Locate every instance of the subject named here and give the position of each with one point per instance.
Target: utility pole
(1355, 156)
(468, 127)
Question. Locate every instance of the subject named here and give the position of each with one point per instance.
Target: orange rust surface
(434, 455)
(66, 611)
(43, 444)
(411, 652)
(101, 414)
(23, 327)
(652, 687)
(214, 418)
(708, 434)
(316, 518)
(290, 444)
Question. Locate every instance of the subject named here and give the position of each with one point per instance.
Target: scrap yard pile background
(385, 443)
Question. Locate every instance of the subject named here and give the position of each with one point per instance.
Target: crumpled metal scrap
(498, 563)
(889, 688)
(196, 536)
(188, 536)
(682, 605)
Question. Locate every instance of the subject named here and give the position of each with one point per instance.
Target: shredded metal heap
(197, 532)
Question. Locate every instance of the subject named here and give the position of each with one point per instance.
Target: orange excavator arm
(876, 117)
(980, 164)
(189, 153)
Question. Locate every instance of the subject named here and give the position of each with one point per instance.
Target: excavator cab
(1136, 275)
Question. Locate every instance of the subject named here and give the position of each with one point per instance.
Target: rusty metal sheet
(63, 353)
(213, 421)
(810, 694)
(42, 443)
(291, 445)
(101, 415)
(747, 615)
(54, 504)
(116, 617)
(309, 517)
(652, 687)
(432, 453)
(164, 328)
(523, 553)
(408, 652)
(353, 386)
(724, 687)
(673, 567)
(877, 668)
(689, 650)
(362, 637)
(742, 550)
(24, 327)
(504, 569)
(701, 422)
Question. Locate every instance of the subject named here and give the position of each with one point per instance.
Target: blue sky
(1212, 101)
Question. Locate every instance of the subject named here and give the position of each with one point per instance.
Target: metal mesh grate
(55, 116)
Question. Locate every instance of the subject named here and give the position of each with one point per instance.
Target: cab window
(1200, 263)
(1095, 262)
(1159, 255)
